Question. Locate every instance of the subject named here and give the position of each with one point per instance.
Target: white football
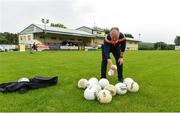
(134, 87)
(82, 83)
(24, 80)
(91, 81)
(128, 81)
(104, 96)
(90, 94)
(121, 88)
(95, 86)
(103, 82)
(111, 88)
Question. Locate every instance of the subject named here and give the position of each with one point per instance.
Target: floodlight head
(47, 21)
(42, 20)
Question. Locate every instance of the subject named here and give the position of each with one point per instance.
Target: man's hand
(109, 62)
(120, 61)
(114, 67)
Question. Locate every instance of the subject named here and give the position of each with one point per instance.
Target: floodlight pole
(45, 21)
(139, 36)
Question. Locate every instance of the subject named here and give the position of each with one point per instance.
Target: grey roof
(94, 28)
(131, 39)
(50, 29)
(63, 31)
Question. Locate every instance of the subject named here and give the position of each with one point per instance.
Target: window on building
(24, 39)
(29, 37)
(42, 37)
(98, 32)
(53, 38)
(21, 38)
(35, 37)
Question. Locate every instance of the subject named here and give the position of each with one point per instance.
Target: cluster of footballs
(103, 91)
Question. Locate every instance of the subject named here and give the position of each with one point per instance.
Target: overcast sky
(156, 20)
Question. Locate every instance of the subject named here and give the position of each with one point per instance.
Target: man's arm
(107, 53)
(109, 62)
(121, 54)
(123, 45)
(123, 48)
(106, 50)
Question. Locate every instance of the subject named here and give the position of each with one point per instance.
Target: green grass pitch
(157, 72)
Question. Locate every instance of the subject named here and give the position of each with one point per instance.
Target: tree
(170, 47)
(177, 41)
(146, 46)
(8, 38)
(128, 35)
(58, 25)
(160, 46)
(3, 40)
(107, 31)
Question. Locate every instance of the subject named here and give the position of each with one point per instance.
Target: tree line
(8, 38)
(159, 45)
(156, 46)
(12, 38)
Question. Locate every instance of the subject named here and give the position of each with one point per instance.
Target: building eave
(65, 33)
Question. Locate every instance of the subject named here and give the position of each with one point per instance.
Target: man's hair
(116, 28)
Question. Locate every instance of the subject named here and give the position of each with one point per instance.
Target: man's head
(114, 33)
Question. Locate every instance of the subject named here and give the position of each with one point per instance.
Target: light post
(45, 21)
(139, 36)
